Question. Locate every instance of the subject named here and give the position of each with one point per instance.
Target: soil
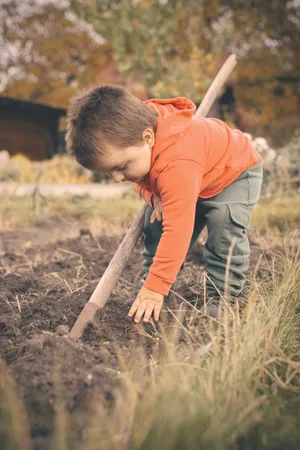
(43, 289)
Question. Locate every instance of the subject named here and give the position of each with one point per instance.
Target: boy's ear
(148, 137)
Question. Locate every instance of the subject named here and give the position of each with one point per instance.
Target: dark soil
(43, 289)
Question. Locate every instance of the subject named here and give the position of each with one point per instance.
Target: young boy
(196, 171)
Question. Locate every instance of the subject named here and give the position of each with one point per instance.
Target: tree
(149, 37)
(49, 51)
(177, 46)
(265, 36)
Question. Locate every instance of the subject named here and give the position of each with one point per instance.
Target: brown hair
(106, 115)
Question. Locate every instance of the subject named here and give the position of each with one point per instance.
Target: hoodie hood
(174, 116)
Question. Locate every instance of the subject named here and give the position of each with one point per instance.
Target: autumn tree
(177, 46)
(265, 36)
(149, 37)
(48, 51)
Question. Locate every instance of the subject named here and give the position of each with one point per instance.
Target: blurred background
(232, 384)
(156, 48)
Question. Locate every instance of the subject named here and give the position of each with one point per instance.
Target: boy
(196, 171)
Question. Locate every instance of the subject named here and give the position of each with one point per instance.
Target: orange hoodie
(192, 158)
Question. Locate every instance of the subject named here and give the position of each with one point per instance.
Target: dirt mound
(56, 373)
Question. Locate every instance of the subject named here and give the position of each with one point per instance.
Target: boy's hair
(104, 116)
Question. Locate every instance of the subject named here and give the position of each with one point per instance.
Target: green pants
(227, 216)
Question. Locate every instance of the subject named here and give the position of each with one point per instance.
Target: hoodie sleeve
(179, 186)
(146, 195)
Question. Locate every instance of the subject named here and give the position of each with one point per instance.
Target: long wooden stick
(119, 261)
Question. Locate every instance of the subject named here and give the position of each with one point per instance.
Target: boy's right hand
(157, 209)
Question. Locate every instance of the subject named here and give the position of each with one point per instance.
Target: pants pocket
(240, 215)
(235, 232)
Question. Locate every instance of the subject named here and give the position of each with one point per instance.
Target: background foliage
(49, 51)
(53, 47)
(177, 46)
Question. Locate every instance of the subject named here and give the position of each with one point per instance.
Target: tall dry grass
(14, 426)
(225, 387)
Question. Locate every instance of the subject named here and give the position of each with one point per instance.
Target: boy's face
(130, 163)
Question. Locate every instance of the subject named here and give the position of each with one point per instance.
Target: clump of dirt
(55, 372)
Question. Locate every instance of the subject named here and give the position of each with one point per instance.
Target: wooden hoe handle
(119, 261)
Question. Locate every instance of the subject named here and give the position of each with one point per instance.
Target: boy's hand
(157, 209)
(146, 302)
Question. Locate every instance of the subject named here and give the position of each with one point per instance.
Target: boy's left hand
(146, 302)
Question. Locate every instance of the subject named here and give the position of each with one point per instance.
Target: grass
(276, 215)
(18, 212)
(14, 427)
(280, 214)
(236, 389)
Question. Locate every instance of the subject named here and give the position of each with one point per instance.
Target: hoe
(122, 255)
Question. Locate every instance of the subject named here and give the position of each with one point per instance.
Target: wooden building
(29, 128)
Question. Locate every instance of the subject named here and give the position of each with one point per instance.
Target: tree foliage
(155, 39)
(49, 52)
(177, 46)
(266, 37)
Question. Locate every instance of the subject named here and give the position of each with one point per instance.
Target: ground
(43, 289)
(45, 282)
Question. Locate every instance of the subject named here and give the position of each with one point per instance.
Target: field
(188, 382)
